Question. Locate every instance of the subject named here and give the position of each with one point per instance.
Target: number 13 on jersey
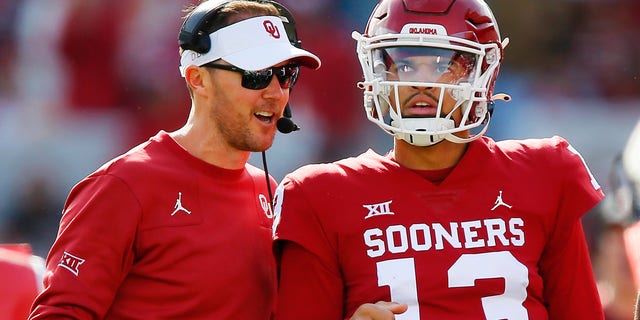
(400, 276)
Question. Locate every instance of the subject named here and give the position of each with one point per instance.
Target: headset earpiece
(191, 36)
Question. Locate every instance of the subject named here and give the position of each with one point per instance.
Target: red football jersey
(499, 238)
(20, 280)
(160, 234)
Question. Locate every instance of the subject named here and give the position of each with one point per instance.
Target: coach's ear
(197, 79)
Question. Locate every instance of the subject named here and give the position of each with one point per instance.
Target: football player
(627, 199)
(450, 223)
(616, 256)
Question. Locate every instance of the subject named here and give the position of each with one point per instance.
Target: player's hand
(381, 310)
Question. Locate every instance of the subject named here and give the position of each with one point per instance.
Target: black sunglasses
(257, 80)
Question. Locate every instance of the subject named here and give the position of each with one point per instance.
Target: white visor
(252, 44)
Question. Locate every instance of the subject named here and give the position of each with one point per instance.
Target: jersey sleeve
(569, 284)
(581, 190)
(310, 281)
(92, 252)
(306, 286)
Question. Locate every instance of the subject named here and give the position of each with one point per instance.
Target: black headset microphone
(285, 124)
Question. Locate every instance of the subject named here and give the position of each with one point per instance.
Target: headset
(194, 37)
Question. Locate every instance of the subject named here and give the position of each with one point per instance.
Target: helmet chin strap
(425, 140)
(427, 125)
(409, 126)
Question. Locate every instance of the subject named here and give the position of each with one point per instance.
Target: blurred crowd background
(85, 80)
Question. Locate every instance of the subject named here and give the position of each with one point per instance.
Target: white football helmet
(452, 32)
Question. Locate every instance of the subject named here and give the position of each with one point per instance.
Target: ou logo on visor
(271, 29)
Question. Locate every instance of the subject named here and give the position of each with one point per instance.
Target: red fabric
(124, 252)
(19, 282)
(365, 229)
